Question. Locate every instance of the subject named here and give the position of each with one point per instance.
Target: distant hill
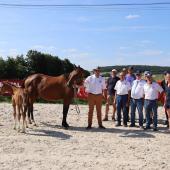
(153, 69)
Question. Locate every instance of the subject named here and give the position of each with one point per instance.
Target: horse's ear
(75, 66)
(6, 82)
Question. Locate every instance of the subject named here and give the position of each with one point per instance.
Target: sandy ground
(49, 146)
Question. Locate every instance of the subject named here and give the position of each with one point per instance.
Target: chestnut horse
(19, 102)
(53, 88)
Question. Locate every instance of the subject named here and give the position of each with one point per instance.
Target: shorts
(110, 99)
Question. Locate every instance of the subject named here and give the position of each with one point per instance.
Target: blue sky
(87, 36)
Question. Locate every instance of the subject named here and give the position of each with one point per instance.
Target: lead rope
(76, 104)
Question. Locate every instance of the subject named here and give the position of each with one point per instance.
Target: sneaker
(105, 119)
(118, 124)
(166, 122)
(146, 128)
(141, 127)
(88, 127)
(131, 125)
(155, 129)
(124, 125)
(102, 127)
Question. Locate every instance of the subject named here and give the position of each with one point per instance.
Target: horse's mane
(10, 84)
(66, 75)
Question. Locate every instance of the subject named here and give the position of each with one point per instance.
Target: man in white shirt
(122, 88)
(151, 91)
(137, 95)
(96, 89)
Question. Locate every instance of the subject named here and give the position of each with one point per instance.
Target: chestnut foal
(19, 99)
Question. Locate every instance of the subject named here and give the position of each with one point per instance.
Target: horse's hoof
(29, 122)
(65, 125)
(23, 131)
(14, 128)
(34, 124)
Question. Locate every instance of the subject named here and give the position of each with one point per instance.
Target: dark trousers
(151, 106)
(121, 101)
(136, 103)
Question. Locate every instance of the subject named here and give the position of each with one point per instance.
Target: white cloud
(129, 17)
(151, 53)
(70, 50)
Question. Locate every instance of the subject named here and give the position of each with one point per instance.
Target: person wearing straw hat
(151, 91)
(96, 89)
(111, 82)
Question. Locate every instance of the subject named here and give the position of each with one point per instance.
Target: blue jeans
(136, 103)
(121, 101)
(151, 106)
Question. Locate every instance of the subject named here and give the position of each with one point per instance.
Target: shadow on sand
(50, 133)
(123, 132)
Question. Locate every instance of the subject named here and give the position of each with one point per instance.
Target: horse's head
(76, 76)
(6, 88)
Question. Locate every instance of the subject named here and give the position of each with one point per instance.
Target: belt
(151, 100)
(95, 94)
(136, 99)
(122, 94)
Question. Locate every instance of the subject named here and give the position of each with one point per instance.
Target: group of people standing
(125, 93)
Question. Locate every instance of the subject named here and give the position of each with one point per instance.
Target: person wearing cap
(167, 97)
(163, 84)
(124, 70)
(151, 91)
(122, 98)
(96, 88)
(137, 95)
(110, 85)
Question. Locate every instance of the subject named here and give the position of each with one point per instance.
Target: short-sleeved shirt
(111, 82)
(167, 93)
(122, 87)
(137, 91)
(130, 78)
(95, 85)
(151, 91)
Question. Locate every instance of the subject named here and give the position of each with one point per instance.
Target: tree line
(153, 69)
(34, 62)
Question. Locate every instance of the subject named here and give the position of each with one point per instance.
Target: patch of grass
(5, 99)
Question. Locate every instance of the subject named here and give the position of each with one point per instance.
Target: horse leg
(23, 119)
(29, 112)
(32, 115)
(25, 112)
(19, 117)
(65, 111)
(14, 107)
